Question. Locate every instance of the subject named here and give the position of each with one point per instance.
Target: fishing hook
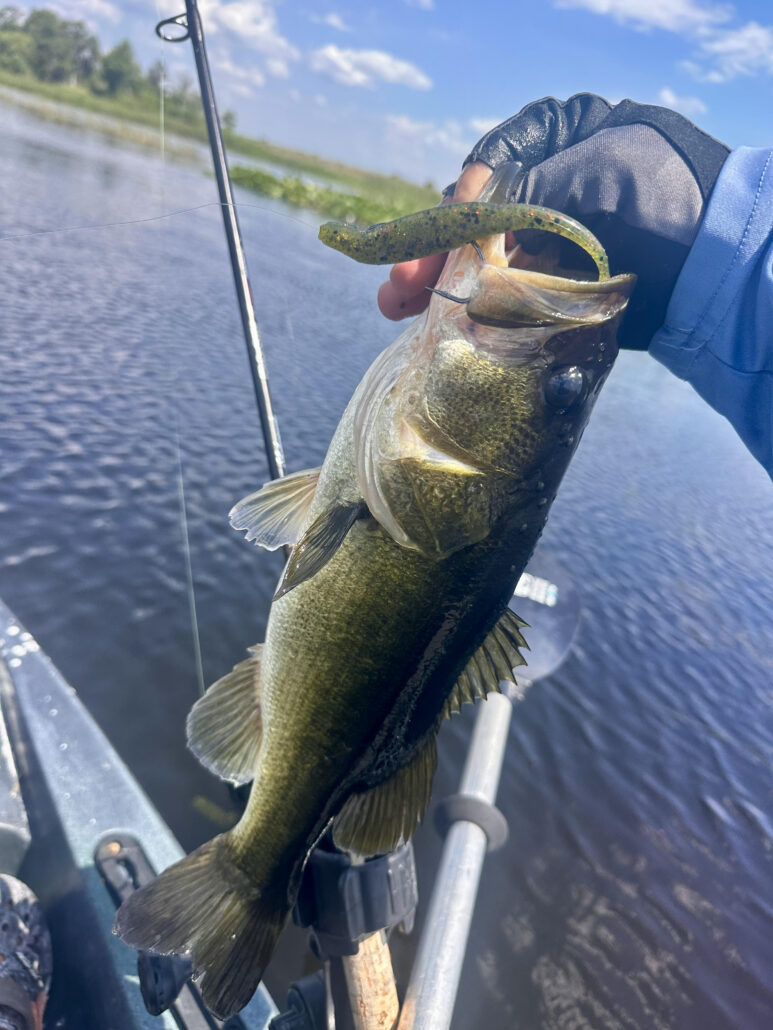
(181, 21)
(449, 296)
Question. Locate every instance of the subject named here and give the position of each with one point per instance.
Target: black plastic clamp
(466, 808)
(306, 1007)
(343, 903)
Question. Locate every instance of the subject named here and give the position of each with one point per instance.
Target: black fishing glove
(637, 176)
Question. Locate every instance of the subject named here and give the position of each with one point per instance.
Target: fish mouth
(500, 290)
(517, 316)
(519, 298)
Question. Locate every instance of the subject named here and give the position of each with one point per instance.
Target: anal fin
(224, 726)
(493, 662)
(375, 821)
(319, 543)
(276, 514)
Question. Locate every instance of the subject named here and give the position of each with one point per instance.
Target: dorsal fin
(493, 661)
(319, 543)
(276, 514)
(224, 726)
(377, 820)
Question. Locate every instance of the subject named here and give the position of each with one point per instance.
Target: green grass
(353, 207)
(114, 128)
(370, 197)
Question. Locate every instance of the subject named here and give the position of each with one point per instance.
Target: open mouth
(510, 290)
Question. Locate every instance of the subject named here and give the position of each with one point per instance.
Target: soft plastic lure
(448, 227)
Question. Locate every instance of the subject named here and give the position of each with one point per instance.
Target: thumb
(470, 183)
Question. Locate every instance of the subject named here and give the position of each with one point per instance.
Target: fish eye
(564, 386)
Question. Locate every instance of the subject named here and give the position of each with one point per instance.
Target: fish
(392, 610)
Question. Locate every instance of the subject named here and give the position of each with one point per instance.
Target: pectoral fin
(224, 726)
(377, 820)
(276, 514)
(493, 661)
(319, 543)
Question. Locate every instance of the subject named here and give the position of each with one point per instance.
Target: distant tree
(183, 87)
(120, 70)
(156, 74)
(51, 57)
(182, 101)
(11, 18)
(228, 119)
(15, 51)
(62, 51)
(85, 49)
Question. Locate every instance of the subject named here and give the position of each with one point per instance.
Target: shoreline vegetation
(45, 56)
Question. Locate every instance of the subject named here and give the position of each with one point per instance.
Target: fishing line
(189, 581)
(188, 562)
(110, 225)
(150, 218)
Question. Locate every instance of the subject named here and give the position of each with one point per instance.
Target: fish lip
(518, 298)
(623, 282)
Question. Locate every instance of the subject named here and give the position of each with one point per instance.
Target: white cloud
(424, 5)
(366, 67)
(242, 81)
(687, 105)
(747, 50)
(684, 16)
(255, 23)
(450, 135)
(723, 53)
(333, 20)
(482, 125)
(86, 10)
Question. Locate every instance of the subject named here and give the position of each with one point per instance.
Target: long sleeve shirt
(718, 332)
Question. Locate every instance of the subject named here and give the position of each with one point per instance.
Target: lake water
(635, 890)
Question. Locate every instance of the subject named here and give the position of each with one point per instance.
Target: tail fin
(205, 907)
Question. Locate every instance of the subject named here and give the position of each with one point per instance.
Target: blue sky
(409, 86)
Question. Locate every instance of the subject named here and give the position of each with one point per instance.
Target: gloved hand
(637, 176)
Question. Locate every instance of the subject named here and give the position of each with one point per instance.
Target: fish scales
(392, 609)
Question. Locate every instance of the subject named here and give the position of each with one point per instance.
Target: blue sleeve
(718, 333)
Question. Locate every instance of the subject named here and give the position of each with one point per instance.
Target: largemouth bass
(393, 608)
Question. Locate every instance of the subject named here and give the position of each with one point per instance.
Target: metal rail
(437, 968)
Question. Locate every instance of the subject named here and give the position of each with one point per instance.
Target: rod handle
(370, 981)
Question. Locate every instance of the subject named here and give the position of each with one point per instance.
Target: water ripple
(635, 891)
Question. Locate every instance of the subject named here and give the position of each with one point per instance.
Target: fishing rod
(192, 29)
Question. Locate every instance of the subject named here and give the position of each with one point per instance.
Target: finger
(406, 292)
(395, 306)
(472, 180)
(411, 277)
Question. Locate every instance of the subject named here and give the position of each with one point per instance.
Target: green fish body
(393, 609)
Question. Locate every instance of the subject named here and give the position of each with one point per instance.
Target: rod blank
(235, 247)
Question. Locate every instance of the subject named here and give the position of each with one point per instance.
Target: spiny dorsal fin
(276, 514)
(224, 726)
(319, 543)
(377, 820)
(494, 660)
